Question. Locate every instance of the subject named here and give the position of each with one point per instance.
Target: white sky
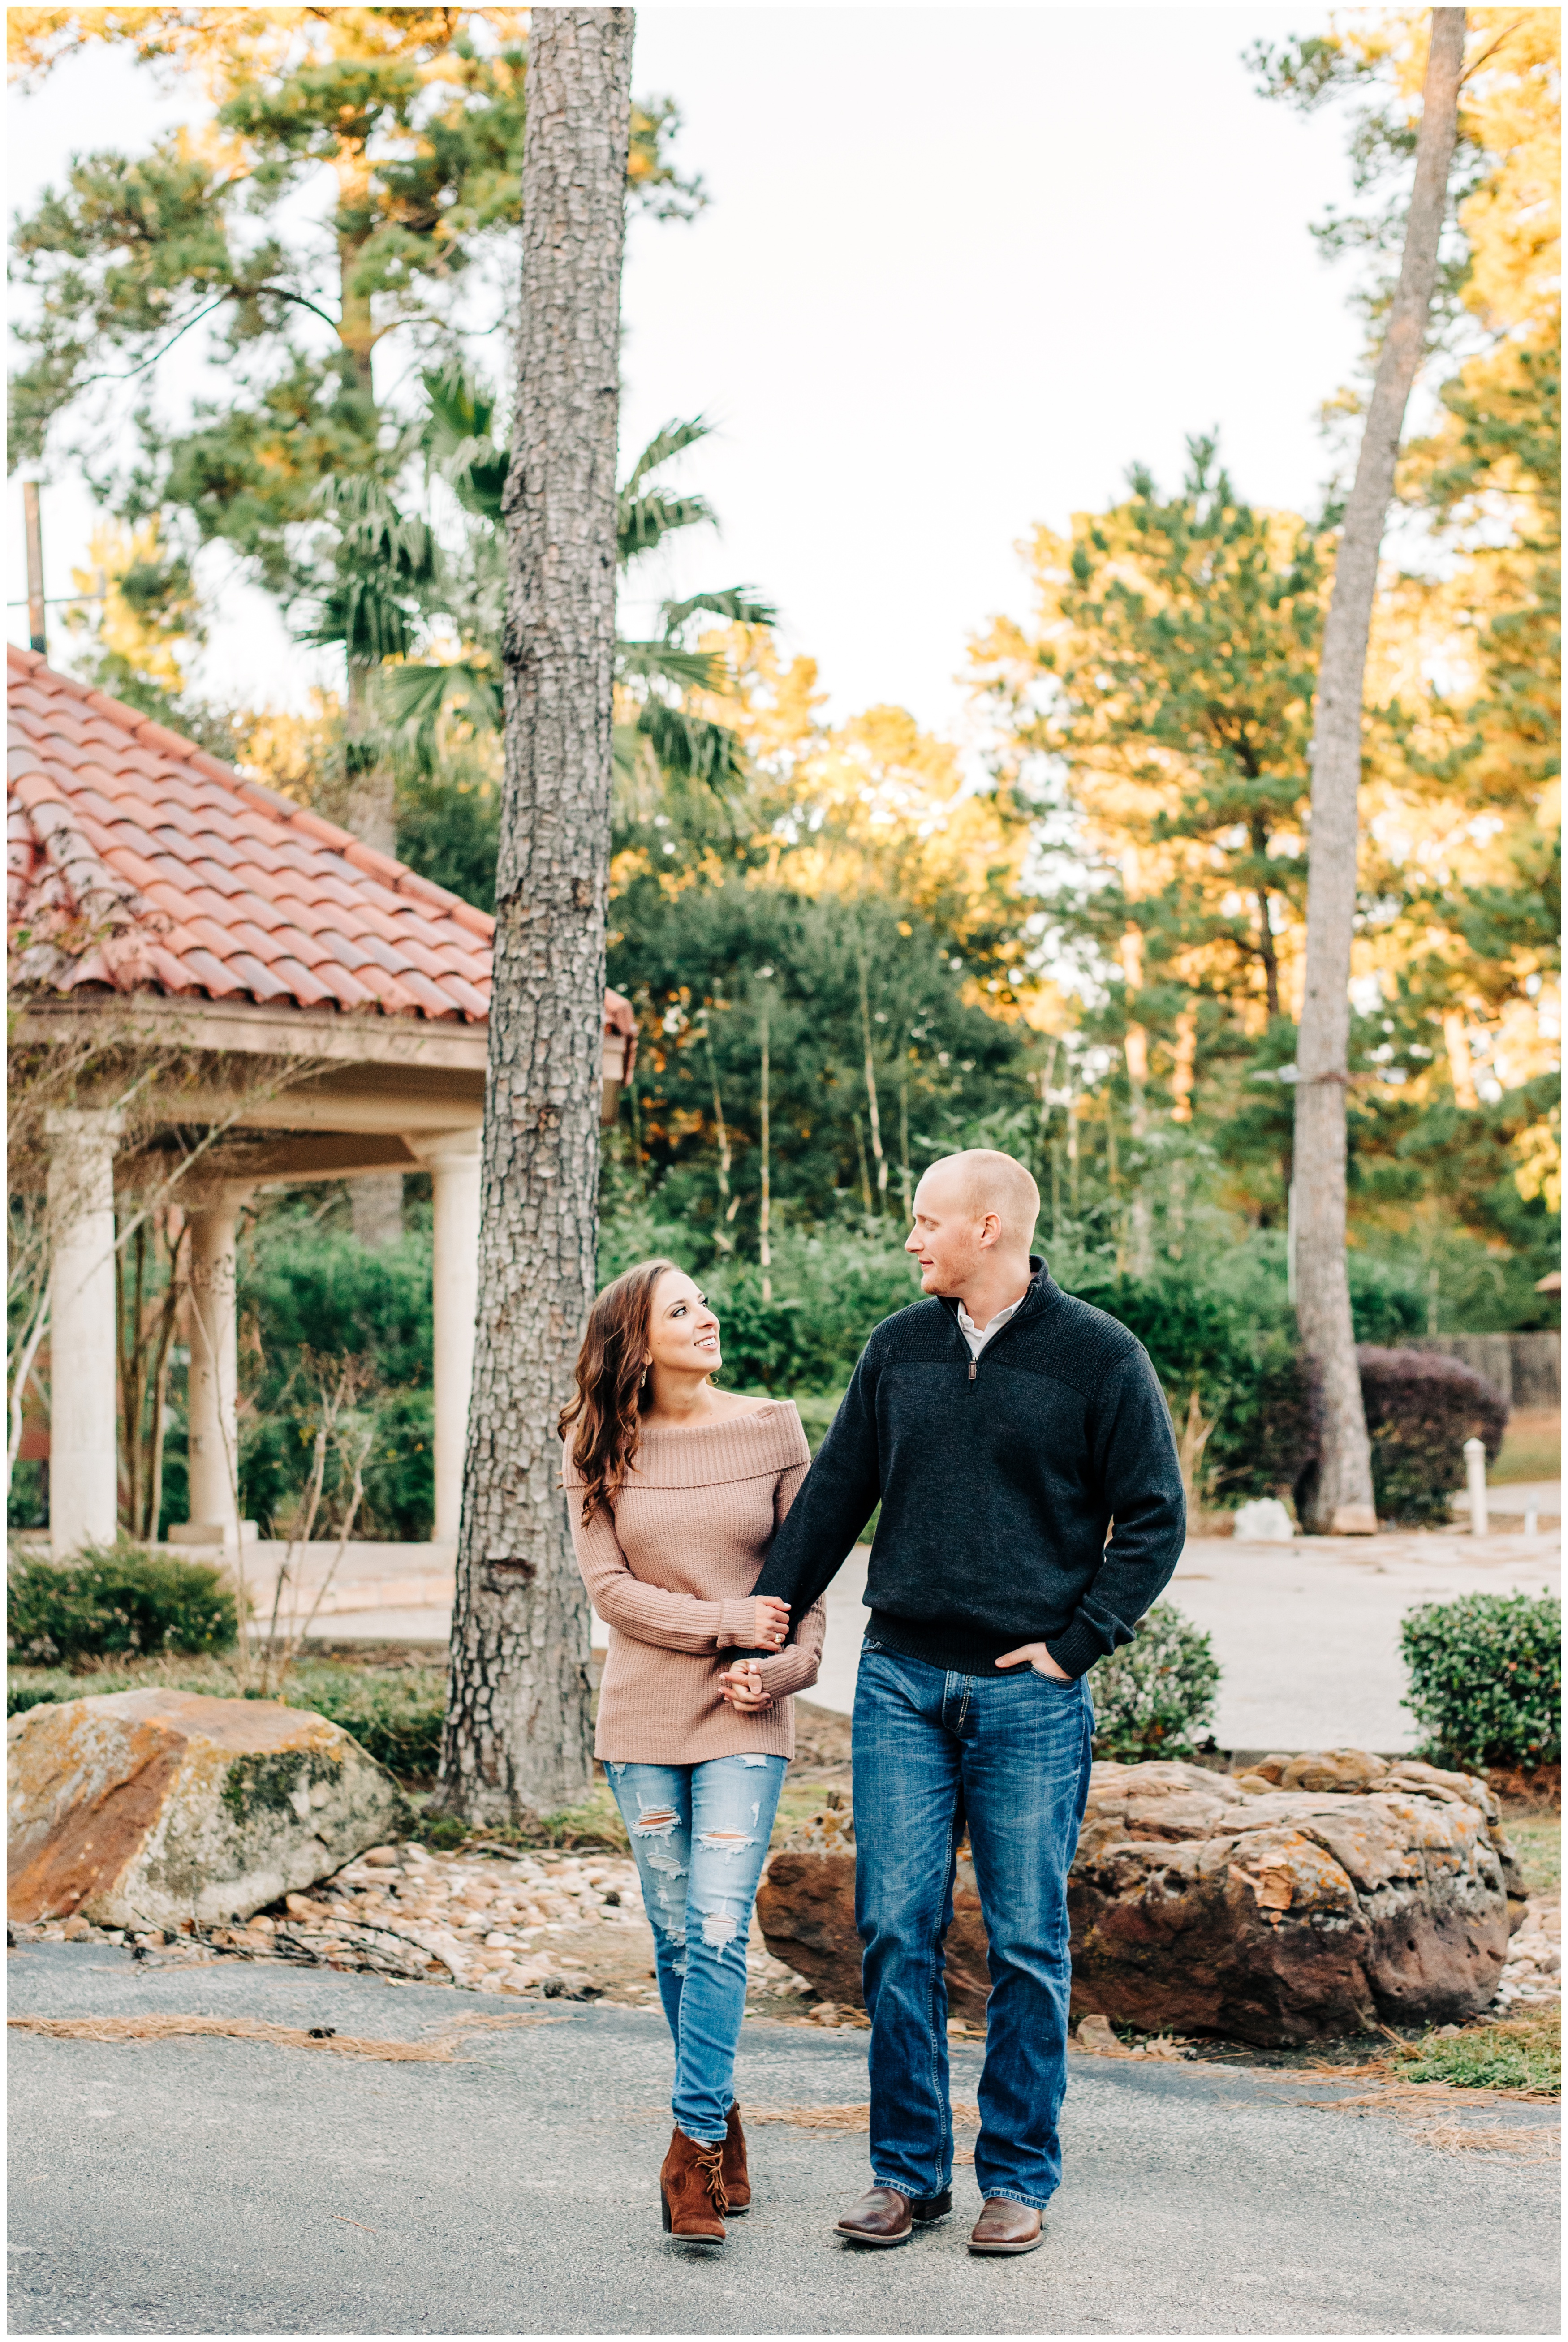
(962, 266)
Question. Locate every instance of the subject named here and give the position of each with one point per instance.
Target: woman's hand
(770, 1623)
(742, 1688)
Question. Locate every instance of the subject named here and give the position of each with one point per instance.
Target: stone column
(214, 1380)
(453, 1160)
(84, 1495)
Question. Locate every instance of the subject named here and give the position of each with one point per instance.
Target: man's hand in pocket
(1039, 1658)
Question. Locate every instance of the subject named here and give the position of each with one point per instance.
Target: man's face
(947, 1239)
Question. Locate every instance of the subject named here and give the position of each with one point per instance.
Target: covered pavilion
(257, 998)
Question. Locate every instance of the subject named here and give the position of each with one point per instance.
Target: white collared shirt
(972, 1333)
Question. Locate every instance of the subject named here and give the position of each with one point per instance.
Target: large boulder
(1315, 1895)
(806, 1908)
(152, 1809)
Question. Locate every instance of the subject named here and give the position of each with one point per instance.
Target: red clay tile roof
(135, 860)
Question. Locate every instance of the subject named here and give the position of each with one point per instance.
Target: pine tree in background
(516, 1737)
(413, 116)
(1168, 671)
(1342, 1501)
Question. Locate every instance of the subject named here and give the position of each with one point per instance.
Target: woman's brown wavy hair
(605, 1416)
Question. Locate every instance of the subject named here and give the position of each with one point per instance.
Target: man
(1003, 1425)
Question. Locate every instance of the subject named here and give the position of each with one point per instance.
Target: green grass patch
(596, 1821)
(1532, 1448)
(394, 1712)
(1537, 1839)
(1522, 2053)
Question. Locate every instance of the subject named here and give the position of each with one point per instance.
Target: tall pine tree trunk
(1343, 1499)
(516, 1737)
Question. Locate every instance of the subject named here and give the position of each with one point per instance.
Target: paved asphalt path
(229, 2186)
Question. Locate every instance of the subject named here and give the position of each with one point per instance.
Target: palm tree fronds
(642, 521)
(414, 699)
(737, 603)
(671, 441)
(692, 749)
(665, 662)
(458, 444)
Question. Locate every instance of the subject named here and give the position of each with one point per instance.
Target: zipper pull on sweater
(973, 1363)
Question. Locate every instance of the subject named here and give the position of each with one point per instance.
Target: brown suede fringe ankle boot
(692, 2191)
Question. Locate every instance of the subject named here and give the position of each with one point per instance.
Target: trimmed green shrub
(117, 1599)
(1486, 1677)
(1156, 1694)
(1421, 1408)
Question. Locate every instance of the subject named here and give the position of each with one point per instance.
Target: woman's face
(683, 1332)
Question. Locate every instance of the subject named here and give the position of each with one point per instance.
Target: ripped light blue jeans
(700, 1835)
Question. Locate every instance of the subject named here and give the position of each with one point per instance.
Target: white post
(212, 1405)
(453, 1160)
(1476, 1477)
(83, 1493)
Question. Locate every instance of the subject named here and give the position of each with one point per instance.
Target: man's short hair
(995, 1182)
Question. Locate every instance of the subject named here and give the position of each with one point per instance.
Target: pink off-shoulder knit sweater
(671, 1575)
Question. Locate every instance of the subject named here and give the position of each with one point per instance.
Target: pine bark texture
(1342, 1502)
(517, 1733)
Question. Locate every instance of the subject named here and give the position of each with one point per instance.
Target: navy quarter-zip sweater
(998, 1478)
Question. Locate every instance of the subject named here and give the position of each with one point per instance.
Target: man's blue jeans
(1008, 1753)
(700, 1835)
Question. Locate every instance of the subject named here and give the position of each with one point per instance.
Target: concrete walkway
(231, 2186)
(1306, 1634)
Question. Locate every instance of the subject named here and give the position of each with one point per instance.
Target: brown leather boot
(692, 2191)
(1006, 2226)
(882, 2217)
(737, 2178)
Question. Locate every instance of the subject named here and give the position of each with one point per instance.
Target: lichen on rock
(161, 1809)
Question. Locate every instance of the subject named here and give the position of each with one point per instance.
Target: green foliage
(432, 709)
(705, 967)
(1522, 2053)
(117, 1599)
(308, 1288)
(394, 1712)
(1154, 1695)
(1421, 1408)
(1486, 1677)
(212, 1678)
(395, 1717)
(449, 828)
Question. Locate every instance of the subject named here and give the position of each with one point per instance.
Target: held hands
(1039, 1658)
(741, 1688)
(770, 1622)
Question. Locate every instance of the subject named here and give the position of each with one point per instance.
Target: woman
(675, 1491)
